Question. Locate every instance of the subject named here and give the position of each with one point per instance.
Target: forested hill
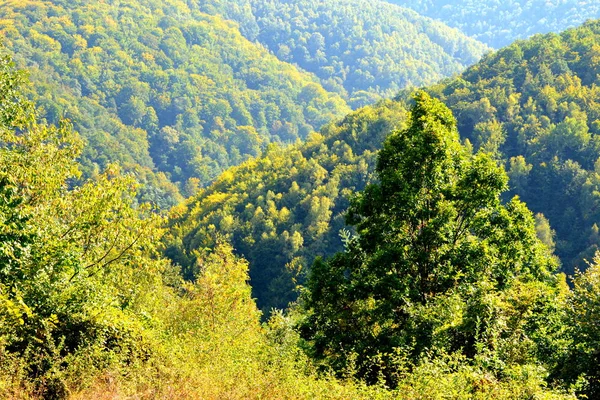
(175, 92)
(362, 49)
(158, 86)
(500, 22)
(534, 104)
(90, 309)
(286, 207)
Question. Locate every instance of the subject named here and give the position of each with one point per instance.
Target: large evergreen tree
(435, 257)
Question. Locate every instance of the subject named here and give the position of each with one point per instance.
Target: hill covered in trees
(536, 105)
(361, 49)
(500, 22)
(532, 105)
(89, 308)
(441, 268)
(174, 90)
(160, 87)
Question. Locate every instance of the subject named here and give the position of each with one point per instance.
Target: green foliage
(533, 106)
(75, 261)
(360, 49)
(543, 96)
(582, 315)
(167, 91)
(174, 92)
(435, 258)
(285, 207)
(500, 22)
(89, 309)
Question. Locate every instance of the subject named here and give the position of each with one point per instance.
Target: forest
(89, 308)
(533, 105)
(498, 23)
(176, 94)
(140, 87)
(362, 49)
(298, 200)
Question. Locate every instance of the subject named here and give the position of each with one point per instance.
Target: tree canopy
(532, 105)
(433, 245)
(535, 104)
(175, 92)
(169, 98)
(500, 22)
(362, 49)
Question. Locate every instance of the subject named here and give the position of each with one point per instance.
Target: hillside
(175, 92)
(160, 87)
(90, 309)
(286, 207)
(499, 22)
(362, 49)
(534, 105)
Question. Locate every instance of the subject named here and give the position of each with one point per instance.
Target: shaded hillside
(286, 207)
(534, 105)
(361, 49)
(177, 92)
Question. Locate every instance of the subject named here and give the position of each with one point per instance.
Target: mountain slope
(361, 49)
(535, 105)
(177, 92)
(160, 86)
(499, 22)
(286, 207)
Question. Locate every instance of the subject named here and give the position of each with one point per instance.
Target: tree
(434, 246)
(583, 313)
(76, 258)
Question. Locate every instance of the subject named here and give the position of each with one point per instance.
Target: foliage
(76, 262)
(582, 318)
(360, 49)
(169, 92)
(282, 209)
(536, 105)
(175, 94)
(500, 22)
(90, 309)
(437, 262)
(533, 106)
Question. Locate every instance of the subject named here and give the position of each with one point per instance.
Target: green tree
(583, 314)
(434, 246)
(74, 260)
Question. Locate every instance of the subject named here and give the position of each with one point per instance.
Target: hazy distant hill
(499, 22)
(175, 92)
(361, 49)
(157, 85)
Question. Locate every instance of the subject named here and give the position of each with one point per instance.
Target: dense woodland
(442, 243)
(500, 22)
(362, 49)
(177, 94)
(160, 88)
(536, 106)
(89, 308)
(533, 105)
